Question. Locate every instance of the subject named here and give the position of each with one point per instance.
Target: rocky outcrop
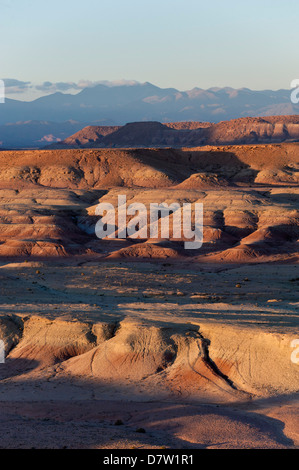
(206, 361)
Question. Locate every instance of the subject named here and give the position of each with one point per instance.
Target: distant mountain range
(54, 117)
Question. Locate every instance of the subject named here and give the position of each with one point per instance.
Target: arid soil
(105, 338)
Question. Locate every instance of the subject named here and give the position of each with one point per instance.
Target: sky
(66, 45)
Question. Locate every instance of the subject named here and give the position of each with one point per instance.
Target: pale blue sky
(171, 43)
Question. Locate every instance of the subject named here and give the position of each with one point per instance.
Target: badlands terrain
(140, 343)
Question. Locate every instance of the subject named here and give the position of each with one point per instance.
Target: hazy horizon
(180, 44)
(28, 91)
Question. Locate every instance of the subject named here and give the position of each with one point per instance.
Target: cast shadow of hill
(180, 164)
(14, 367)
(59, 410)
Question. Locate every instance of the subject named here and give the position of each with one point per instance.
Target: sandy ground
(59, 403)
(264, 295)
